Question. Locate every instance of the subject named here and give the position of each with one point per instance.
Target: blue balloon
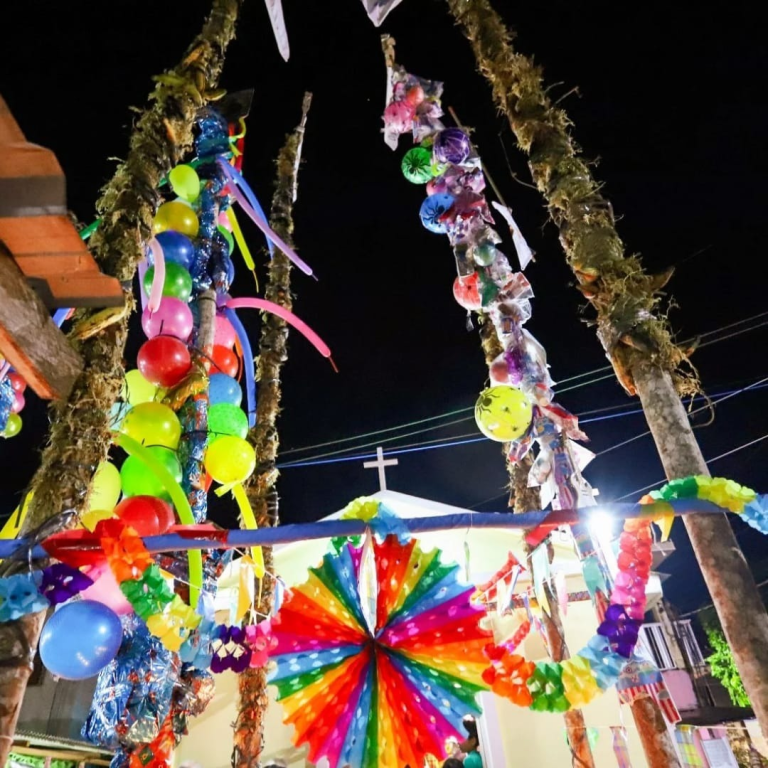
(224, 389)
(432, 209)
(177, 247)
(80, 639)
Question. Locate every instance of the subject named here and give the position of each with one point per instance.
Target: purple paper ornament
(62, 582)
(452, 146)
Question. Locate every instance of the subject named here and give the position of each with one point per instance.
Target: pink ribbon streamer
(156, 293)
(142, 271)
(289, 317)
(260, 223)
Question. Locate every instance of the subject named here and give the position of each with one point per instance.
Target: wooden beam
(29, 340)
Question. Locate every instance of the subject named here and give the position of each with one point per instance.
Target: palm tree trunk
(80, 437)
(260, 489)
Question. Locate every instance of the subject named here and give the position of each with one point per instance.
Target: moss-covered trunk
(79, 438)
(260, 488)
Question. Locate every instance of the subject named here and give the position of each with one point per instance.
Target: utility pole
(260, 487)
(636, 339)
(80, 435)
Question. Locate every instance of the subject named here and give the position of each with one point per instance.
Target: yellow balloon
(176, 216)
(185, 182)
(230, 460)
(152, 424)
(93, 517)
(136, 389)
(106, 487)
(503, 413)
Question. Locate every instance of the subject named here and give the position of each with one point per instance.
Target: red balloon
(148, 515)
(18, 384)
(164, 361)
(466, 292)
(225, 360)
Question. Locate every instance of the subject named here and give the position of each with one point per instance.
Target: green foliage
(724, 668)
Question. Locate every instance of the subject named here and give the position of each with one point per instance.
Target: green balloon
(138, 480)
(226, 419)
(178, 281)
(417, 165)
(227, 235)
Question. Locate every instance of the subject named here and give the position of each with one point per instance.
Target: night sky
(671, 107)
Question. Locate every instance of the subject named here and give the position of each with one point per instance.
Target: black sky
(671, 102)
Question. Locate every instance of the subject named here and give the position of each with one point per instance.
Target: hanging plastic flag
(275, 10)
(378, 10)
(524, 252)
(620, 748)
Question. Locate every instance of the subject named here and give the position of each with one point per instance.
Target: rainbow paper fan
(379, 656)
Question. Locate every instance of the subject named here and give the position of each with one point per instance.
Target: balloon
(17, 382)
(105, 490)
(417, 165)
(432, 209)
(230, 460)
(12, 426)
(227, 235)
(225, 335)
(224, 221)
(224, 389)
(80, 639)
(178, 281)
(152, 424)
(452, 145)
(226, 419)
(176, 216)
(398, 116)
(177, 248)
(164, 360)
(185, 182)
(499, 370)
(224, 360)
(485, 254)
(140, 481)
(466, 291)
(106, 590)
(414, 96)
(503, 413)
(18, 402)
(147, 515)
(173, 318)
(136, 389)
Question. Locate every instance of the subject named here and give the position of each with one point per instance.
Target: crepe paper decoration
(234, 188)
(579, 683)
(719, 490)
(174, 624)
(148, 594)
(546, 687)
(196, 649)
(230, 650)
(620, 746)
(378, 10)
(262, 642)
(606, 665)
(248, 365)
(289, 317)
(366, 584)
(524, 253)
(520, 634)
(388, 702)
(19, 595)
(275, 10)
(180, 501)
(60, 582)
(245, 592)
(755, 514)
(125, 551)
(508, 675)
(663, 520)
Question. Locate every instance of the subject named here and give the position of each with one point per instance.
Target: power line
(458, 411)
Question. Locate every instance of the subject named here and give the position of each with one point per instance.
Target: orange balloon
(224, 360)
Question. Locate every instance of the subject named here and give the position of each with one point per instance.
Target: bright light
(601, 528)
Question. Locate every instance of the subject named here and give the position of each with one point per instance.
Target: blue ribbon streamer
(238, 179)
(248, 365)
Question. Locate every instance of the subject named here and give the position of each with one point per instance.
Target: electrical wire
(560, 391)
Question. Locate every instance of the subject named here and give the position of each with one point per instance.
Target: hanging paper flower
(606, 665)
(230, 650)
(386, 523)
(125, 551)
(148, 594)
(19, 595)
(60, 582)
(197, 650)
(174, 625)
(546, 687)
(261, 641)
(620, 629)
(508, 675)
(579, 682)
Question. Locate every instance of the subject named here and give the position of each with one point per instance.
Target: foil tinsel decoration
(7, 398)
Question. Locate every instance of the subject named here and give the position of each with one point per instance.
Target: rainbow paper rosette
(379, 655)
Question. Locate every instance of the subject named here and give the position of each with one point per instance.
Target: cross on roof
(379, 464)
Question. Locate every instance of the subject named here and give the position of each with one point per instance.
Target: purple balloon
(173, 318)
(452, 146)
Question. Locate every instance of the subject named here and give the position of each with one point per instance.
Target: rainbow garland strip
(558, 687)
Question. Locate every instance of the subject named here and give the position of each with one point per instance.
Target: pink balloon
(172, 318)
(18, 402)
(225, 333)
(224, 221)
(106, 590)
